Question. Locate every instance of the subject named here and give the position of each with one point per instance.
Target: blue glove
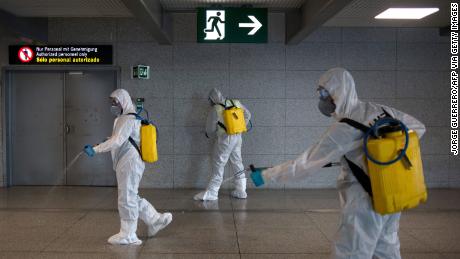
(256, 177)
(89, 150)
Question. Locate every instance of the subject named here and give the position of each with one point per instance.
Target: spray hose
(374, 132)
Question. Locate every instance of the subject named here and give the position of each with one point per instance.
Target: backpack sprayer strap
(131, 140)
(359, 173)
(222, 125)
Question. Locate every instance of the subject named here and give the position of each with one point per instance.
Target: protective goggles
(114, 101)
(323, 93)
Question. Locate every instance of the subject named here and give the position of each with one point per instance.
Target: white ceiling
(362, 13)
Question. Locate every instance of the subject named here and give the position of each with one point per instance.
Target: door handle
(67, 129)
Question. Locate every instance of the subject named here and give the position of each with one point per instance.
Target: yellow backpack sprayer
(148, 145)
(234, 122)
(392, 155)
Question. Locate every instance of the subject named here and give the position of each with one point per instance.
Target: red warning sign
(25, 54)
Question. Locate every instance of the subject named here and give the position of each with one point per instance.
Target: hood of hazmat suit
(363, 233)
(129, 169)
(216, 96)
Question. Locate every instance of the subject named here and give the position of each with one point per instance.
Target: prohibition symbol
(25, 54)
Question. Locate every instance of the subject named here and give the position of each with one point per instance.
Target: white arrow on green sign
(256, 25)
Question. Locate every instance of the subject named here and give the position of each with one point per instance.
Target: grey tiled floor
(75, 222)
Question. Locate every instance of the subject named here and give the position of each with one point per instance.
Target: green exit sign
(140, 72)
(232, 25)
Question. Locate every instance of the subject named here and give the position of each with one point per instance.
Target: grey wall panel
(160, 109)
(423, 56)
(375, 84)
(256, 57)
(160, 174)
(304, 112)
(423, 85)
(88, 30)
(454, 172)
(198, 83)
(201, 57)
(191, 171)
(436, 115)
(264, 141)
(257, 84)
(191, 141)
(145, 53)
(302, 84)
(436, 141)
(190, 112)
(418, 35)
(129, 30)
(313, 56)
(436, 170)
(353, 34)
(325, 34)
(298, 139)
(165, 140)
(264, 112)
(369, 56)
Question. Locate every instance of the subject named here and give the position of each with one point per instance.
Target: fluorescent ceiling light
(406, 13)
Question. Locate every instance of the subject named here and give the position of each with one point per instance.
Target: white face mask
(116, 110)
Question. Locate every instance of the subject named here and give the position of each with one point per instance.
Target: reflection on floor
(75, 222)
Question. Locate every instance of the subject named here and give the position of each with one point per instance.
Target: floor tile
(442, 240)
(272, 220)
(412, 244)
(328, 223)
(285, 256)
(275, 240)
(90, 234)
(193, 240)
(450, 256)
(34, 230)
(421, 256)
(189, 256)
(431, 219)
(211, 219)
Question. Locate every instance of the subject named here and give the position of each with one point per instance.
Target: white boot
(127, 234)
(159, 224)
(240, 189)
(207, 195)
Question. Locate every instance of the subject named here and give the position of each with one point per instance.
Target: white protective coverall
(227, 147)
(363, 233)
(129, 169)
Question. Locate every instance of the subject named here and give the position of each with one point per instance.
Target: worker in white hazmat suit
(226, 148)
(363, 233)
(129, 169)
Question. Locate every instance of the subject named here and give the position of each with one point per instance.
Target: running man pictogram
(216, 22)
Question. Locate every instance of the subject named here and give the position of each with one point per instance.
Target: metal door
(89, 121)
(36, 128)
